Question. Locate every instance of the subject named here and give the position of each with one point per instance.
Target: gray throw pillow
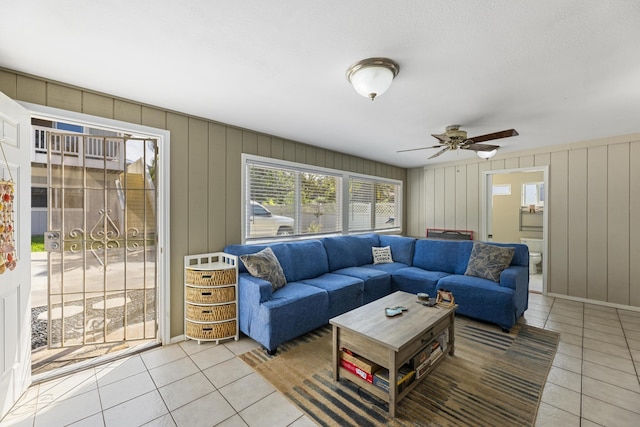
(266, 266)
(488, 261)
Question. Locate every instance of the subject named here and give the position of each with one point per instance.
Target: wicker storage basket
(211, 331)
(211, 277)
(211, 313)
(210, 295)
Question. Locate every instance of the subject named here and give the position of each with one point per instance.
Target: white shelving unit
(211, 297)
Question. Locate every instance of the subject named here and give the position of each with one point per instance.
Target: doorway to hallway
(515, 210)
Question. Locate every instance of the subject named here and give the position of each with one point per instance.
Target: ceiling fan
(453, 139)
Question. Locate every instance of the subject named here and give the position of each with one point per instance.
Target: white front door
(15, 226)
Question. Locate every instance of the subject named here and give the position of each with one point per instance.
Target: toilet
(535, 252)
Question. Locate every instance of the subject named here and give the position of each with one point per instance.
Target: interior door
(15, 284)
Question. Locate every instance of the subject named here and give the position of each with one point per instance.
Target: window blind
(284, 199)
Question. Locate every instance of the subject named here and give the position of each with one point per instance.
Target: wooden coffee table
(390, 341)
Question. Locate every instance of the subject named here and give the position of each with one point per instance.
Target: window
(38, 197)
(372, 205)
(284, 199)
(533, 194)
(501, 189)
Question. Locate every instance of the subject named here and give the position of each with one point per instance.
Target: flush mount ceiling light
(486, 154)
(372, 77)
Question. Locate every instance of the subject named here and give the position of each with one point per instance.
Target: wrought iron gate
(101, 237)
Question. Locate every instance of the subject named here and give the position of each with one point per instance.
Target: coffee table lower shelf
(377, 391)
(380, 393)
(391, 342)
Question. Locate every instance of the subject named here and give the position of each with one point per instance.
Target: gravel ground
(74, 325)
(38, 328)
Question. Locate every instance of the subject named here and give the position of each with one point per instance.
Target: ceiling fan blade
(480, 147)
(439, 153)
(495, 135)
(416, 149)
(442, 137)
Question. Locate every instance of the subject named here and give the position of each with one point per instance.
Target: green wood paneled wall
(205, 166)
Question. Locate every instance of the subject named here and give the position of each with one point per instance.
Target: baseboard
(594, 302)
(177, 339)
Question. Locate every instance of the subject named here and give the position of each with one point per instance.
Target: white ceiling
(558, 71)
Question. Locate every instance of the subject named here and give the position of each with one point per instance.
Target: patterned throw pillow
(382, 255)
(488, 261)
(266, 266)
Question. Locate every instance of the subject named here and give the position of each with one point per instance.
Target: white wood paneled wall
(593, 202)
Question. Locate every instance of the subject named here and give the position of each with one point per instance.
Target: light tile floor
(535, 283)
(593, 381)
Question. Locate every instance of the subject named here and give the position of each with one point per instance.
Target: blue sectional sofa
(330, 276)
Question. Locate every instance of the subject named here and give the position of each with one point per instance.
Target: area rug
(494, 379)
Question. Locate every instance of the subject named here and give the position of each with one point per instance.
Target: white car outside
(262, 223)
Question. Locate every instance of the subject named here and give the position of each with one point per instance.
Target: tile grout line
(628, 347)
(157, 389)
(214, 386)
(608, 355)
(216, 389)
(582, 369)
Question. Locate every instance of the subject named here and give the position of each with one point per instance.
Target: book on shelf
(406, 376)
(435, 355)
(359, 361)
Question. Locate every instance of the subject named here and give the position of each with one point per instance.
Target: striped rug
(494, 379)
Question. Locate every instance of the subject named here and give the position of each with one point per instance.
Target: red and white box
(368, 377)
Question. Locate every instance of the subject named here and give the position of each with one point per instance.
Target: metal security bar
(101, 238)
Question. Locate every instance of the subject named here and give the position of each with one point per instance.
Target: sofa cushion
(382, 255)
(350, 251)
(401, 247)
(387, 268)
(482, 299)
(289, 255)
(265, 265)
(441, 255)
(287, 315)
(414, 280)
(339, 252)
(377, 282)
(345, 292)
(304, 259)
(362, 245)
(487, 261)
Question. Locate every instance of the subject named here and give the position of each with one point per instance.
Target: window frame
(343, 195)
(539, 186)
(501, 189)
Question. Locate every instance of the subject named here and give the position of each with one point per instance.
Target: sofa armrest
(253, 290)
(515, 277)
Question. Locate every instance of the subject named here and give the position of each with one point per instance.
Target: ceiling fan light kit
(372, 77)
(486, 154)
